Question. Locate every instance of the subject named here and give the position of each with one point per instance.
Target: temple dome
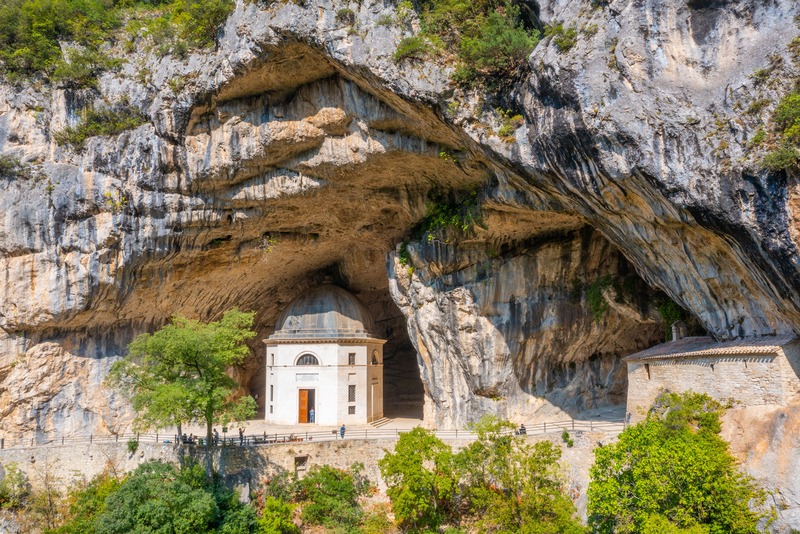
(326, 311)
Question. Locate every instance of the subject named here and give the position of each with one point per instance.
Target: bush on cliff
(34, 34)
(673, 470)
(490, 37)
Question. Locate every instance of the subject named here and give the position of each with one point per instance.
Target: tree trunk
(209, 423)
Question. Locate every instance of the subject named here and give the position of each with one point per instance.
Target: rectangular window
(351, 410)
(351, 358)
(270, 408)
(271, 392)
(647, 369)
(300, 463)
(272, 360)
(351, 393)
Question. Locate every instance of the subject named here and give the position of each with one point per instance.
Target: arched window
(375, 360)
(307, 359)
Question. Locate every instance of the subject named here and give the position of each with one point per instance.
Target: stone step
(383, 421)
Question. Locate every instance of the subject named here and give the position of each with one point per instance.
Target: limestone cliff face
(298, 147)
(514, 336)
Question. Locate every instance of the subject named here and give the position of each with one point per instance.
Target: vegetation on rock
(673, 471)
(785, 154)
(447, 213)
(100, 122)
(489, 37)
(66, 40)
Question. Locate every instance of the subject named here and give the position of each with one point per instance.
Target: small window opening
(351, 393)
(271, 392)
(300, 463)
(307, 359)
(647, 370)
(351, 410)
(351, 358)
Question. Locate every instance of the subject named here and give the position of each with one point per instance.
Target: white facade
(323, 358)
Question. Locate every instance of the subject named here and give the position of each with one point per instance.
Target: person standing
(241, 436)
(311, 415)
(341, 431)
(216, 437)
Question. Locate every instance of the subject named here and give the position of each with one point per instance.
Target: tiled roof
(695, 347)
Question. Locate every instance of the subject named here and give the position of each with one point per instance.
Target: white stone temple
(324, 365)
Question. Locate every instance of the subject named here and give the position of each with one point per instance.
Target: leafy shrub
(102, 122)
(277, 517)
(385, 20)
(563, 38)
(566, 438)
(511, 485)
(157, 497)
(331, 498)
(787, 116)
(669, 312)
(489, 37)
(458, 213)
(594, 296)
(500, 44)
(133, 445)
(509, 124)
(82, 67)
(12, 167)
(345, 16)
(414, 48)
(420, 478)
(87, 501)
(499, 483)
(674, 465)
(14, 488)
(197, 20)
(785, 156)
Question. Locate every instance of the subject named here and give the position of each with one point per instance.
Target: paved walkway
(258, 432)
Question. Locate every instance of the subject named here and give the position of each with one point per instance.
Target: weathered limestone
(514, 335)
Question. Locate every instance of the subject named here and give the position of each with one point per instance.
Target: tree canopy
(499, 483)
(180, 373)
(673, 473)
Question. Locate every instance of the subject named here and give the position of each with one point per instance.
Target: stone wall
(246, 467)
(751, 380)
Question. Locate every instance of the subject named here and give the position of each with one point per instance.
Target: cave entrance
(403, 392)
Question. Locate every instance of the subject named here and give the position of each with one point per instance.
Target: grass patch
(564, 38)
(413, 48)
(345, 16)
(757, 106)
(102, 122)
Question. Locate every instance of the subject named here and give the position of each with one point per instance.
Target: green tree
(277, 517)
(180, 374)
(673, 471)
(14, 488)
(156, 498)
(420, 478)
(331, 498)
(511, 485)
(87, 502)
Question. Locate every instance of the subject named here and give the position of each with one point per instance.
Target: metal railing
(271, 438)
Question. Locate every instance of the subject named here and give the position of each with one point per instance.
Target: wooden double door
(306, 403)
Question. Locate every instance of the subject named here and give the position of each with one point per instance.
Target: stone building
(324, 364)
(758, 371)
